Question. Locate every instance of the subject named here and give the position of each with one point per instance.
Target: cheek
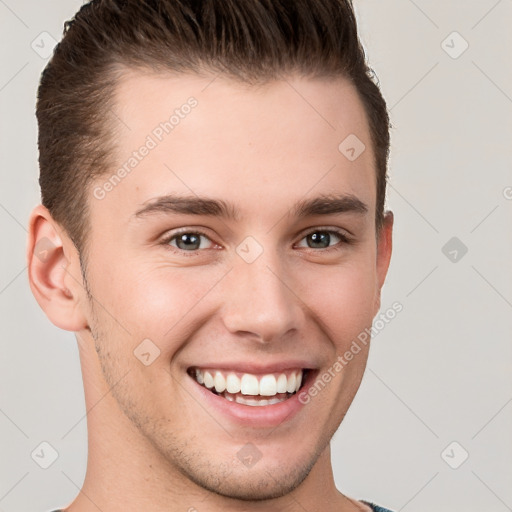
(153, 302)
(342, 298)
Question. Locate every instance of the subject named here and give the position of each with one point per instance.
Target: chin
(253, 484)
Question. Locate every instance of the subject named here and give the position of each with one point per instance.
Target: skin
(262, 149)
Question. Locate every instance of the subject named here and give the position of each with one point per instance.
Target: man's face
(275, 285)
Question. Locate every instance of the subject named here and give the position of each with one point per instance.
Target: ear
(384, 249)
(54, 272)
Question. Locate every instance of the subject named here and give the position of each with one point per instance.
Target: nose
(260, 301)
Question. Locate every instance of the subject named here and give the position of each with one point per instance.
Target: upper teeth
(249, 384)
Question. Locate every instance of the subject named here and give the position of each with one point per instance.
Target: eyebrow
(195, 205)
(329, 205)
(188, 205)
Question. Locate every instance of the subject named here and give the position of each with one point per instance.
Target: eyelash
(344, 240)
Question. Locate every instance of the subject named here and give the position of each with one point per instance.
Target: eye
(322, 239)
(189, 241)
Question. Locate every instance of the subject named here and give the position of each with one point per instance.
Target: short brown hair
(252, 41)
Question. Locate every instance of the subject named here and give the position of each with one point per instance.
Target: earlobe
(51, 256)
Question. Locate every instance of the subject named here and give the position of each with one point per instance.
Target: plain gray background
(438, 386)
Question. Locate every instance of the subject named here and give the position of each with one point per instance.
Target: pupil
(320, 239)
(188, 241)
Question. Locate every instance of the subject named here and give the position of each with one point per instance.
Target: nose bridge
(259, 300)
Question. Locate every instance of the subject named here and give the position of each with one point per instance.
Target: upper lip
(256, 368)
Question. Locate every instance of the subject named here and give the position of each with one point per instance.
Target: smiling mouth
(250, 389)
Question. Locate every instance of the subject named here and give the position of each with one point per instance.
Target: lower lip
(262, 416)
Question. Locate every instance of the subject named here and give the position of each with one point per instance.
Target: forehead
(209, 135)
